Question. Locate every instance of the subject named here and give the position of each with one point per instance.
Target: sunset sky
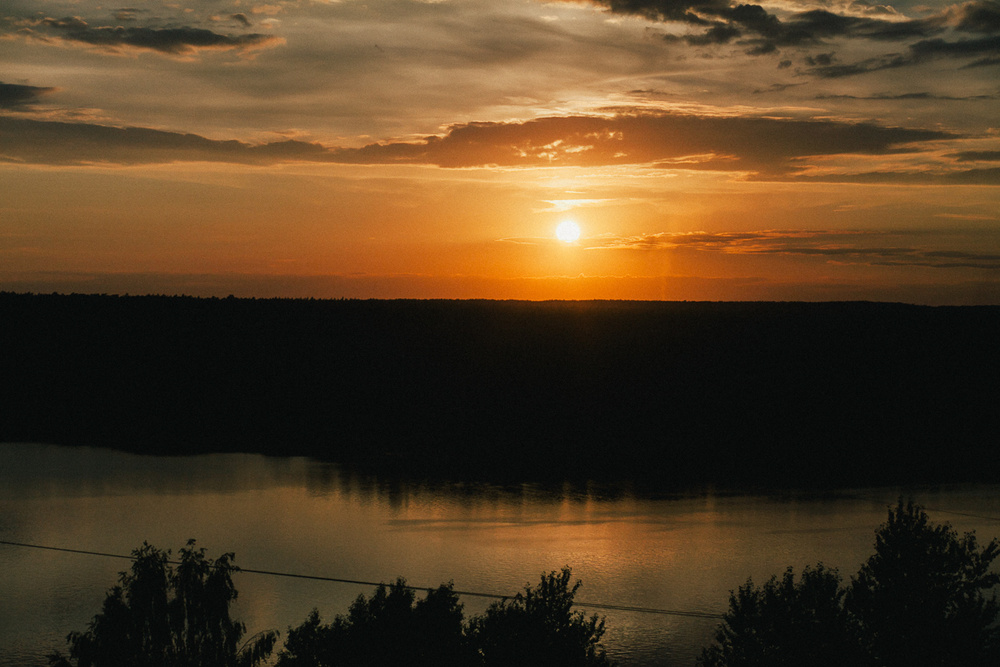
(796, 149)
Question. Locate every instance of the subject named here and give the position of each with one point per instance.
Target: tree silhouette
(538, 627)
(923, 598)
(384, 630)
(161, 616)
(785, 623)
(391, 629)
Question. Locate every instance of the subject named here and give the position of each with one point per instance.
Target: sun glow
(568, 231)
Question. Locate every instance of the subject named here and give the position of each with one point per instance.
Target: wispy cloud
(52, 142)
(173, 41)
(985, 49)
(563, 205)
(977, 156)
(761, 32)
(884, 97)
(858, 247)
(14, 95)
(939, 176)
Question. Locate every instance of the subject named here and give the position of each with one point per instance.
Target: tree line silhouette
(925, 597)
(162, 616)
(670, 394)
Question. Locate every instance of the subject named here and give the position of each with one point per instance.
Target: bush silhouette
(535, 627)
(923, 598)
(161, 616)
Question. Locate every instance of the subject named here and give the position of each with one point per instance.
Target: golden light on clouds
(389, 146)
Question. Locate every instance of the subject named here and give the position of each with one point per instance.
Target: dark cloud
(988, 176)
(816, 26)
(859, 247)
(720, 33)
(922, 51)
(984, 62)
(669, 140)
(172, 41)
(242, 18)
(723, 22)
(771, 241)
(983, 16)
(819, 24)
(820, 60)
(957, 254)
(916, 261)
(14, 95)
(765, 146)
(777, 88)
(975, 177)
(961, 49)
(687, 11)
(49, 142)
(977, 156)
(912, 96)
(861, 67)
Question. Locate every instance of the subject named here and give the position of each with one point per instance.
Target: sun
(568, 231)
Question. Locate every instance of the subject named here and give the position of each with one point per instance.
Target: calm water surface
(682, 552)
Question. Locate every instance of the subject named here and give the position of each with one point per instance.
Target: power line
(968, 514)
(336, 580)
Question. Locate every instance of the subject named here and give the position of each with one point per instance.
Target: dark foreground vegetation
(925, 598)
(665, 393)
(159, 616)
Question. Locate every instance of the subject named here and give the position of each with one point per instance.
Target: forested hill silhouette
(669, 393)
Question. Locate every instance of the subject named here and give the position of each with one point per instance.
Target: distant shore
(667, 394)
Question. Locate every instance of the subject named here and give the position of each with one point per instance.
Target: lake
(678, 552)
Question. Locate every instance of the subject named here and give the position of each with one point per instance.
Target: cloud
(175, 41)
(989, 176)
(126, 14)
(722, 22)
(14, 95)
(977, 156)
(815, 26)
(961, 49)
(761, 32)
(911, 96)
(563, 205)
(988, 264)
(982, 16)
(771, 241)
(858, 247)
(767, 147)
(987, 48)
(665, 140)
(60, 143)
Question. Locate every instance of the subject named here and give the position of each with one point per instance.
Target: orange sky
(407, 148)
